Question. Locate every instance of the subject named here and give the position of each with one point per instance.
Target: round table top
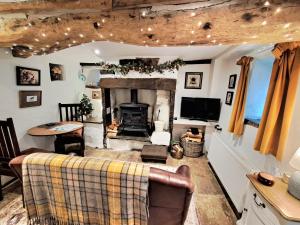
(49, 129)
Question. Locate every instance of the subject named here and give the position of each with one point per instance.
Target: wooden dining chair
(70, 112)
(9, 149)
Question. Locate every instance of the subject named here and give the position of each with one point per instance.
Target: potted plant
(87, 106)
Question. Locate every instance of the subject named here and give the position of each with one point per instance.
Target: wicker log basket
(192, 144)
(192, 149)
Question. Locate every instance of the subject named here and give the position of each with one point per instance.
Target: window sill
(252, 122)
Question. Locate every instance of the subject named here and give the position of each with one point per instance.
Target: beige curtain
(236, 124)
(279, 106)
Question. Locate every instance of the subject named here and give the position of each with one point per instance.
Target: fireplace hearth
(133, 117)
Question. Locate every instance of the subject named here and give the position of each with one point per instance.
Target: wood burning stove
(134, 116)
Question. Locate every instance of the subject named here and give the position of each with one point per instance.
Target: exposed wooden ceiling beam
(32, 7)
(129, 4)
(199, 23)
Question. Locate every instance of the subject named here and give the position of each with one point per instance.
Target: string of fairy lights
(70, 38)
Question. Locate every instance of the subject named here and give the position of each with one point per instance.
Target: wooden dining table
(51, 129)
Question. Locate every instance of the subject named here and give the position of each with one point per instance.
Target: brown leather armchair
(169, 196)
(169, 193)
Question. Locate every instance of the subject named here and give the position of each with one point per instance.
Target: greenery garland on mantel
(143, 67)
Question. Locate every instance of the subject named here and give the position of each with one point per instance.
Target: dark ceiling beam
(130, 4)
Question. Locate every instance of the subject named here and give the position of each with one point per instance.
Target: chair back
(70, 112)
(9, 146)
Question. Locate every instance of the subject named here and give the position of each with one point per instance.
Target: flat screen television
(206, 109)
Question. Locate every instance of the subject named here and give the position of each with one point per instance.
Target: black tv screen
(206, 109)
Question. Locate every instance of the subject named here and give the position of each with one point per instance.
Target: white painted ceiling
(118, 50)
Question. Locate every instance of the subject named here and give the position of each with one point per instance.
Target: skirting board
(234, 209)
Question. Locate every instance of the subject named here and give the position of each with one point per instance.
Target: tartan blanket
(69, 190)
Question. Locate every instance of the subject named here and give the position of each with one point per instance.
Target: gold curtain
(279, 106)
(236, 124)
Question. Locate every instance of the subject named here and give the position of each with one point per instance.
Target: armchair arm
(180, 179)
(170, 193)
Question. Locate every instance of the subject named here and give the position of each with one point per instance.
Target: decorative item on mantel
(192, 143)
(294, 181)
(143, 67)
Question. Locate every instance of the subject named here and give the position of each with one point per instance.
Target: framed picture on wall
(229, 97)
(30, 98)
(56, 72)
(232, 81)
(193, 80)
(28, 76)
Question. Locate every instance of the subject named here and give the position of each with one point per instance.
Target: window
(257, 89)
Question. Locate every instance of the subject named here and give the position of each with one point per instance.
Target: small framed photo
(56, 72)
(96, 94)
(232, 81)
(229, 97)
(28, 76)
(30, 98)
(193, 80)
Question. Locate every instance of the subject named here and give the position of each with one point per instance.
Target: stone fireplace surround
(156, 92)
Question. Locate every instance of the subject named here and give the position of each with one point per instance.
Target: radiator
(230, 168)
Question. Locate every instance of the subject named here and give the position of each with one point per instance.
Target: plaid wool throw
(68, 190)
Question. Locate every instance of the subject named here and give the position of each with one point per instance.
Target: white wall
(66, 91)
(243, 146)
(180, 75)
(197, 93)
(214, 84)
(293, 140)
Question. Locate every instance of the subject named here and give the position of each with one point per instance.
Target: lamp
(294, 181)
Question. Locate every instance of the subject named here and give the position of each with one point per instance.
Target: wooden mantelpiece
(139, 83)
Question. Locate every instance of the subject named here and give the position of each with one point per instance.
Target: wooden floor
(211, 204)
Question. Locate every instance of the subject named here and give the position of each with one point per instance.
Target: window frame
(248, 121)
